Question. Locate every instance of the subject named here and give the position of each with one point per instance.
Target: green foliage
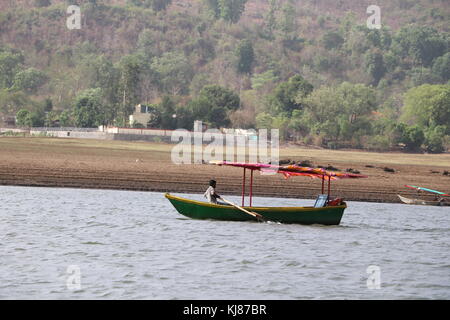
(245, 56)
(12, 101)
(357, 99)
(155, 116)
(42, 3)
(332, 40)
(25, 118)
(264, 121)
(434, 139)
(427, 105)
(130, 69)
(270, 19)
(156, 5)
(220, 97)
(88, 109)
(288, 96)
(65, 119)
(231, 10)
(441, 67)
(287, 23)
(413, 137)
(214, 104)
(340, 113)
(422, 43)
(167, 111)
(132, 54)
(228, 10)
(261, 79)
(174, 72)
(10, 64)
(21, 117)
(29, 80)
(375, 65)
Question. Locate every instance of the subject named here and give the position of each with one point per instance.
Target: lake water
(96, 244)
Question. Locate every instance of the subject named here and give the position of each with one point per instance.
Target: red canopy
(291, 170)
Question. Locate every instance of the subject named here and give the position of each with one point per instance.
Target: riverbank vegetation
(312, 69)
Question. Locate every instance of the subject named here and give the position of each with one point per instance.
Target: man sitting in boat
(211, 194)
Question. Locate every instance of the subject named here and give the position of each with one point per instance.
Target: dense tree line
(344, 86)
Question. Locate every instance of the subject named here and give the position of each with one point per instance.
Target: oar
(253, 214)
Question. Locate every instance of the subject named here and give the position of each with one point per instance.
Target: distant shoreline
(137, 166)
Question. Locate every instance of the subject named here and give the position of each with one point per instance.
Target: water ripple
(142, 248)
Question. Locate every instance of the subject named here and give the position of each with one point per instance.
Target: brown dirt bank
(143, 166)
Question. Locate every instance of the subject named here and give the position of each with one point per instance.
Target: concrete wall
(75, 134)
(124, 134)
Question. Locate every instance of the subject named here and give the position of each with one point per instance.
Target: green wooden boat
(298, 215)
(326, 211)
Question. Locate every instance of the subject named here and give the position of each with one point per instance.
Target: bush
(434, 141)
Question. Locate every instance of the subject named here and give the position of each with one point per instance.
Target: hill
(265, 52)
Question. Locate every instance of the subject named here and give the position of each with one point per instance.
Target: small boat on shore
(422, 202)
(326, 211)
(439, 201)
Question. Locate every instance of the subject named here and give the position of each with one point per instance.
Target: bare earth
(143, 166)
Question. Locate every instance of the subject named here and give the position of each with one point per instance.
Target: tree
(213, 105)
(288, 24)
(441, 66)
(413, 137)
(434, 139)
(88, 109)
(270, 19)
(214, 7)
(167, 111)
(174, 72)
(146, 43)
(159, 5)
(156, 5)
(231, 10)
(12, 101)
(29, 80)
(261, 79)
(427, 106)
(21, 117)
(340, 112)
(42, 3)
(332, 40)
(375, 65)
(27, 118)
(221, 97)
(65, 119)
(130, 70)
(422, 43)
(99, 72)
(264, 121)
(245, 56)
(10, 64)
(288, 96)
(228, 10)
(356, 99)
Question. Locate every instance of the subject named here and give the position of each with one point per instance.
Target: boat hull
(423, 202)
(291, 215)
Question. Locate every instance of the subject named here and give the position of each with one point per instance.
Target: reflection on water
(134, 245)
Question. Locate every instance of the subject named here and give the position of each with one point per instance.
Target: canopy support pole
(323, 184)
(243, 188)
(329, 186)
(251, 187)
